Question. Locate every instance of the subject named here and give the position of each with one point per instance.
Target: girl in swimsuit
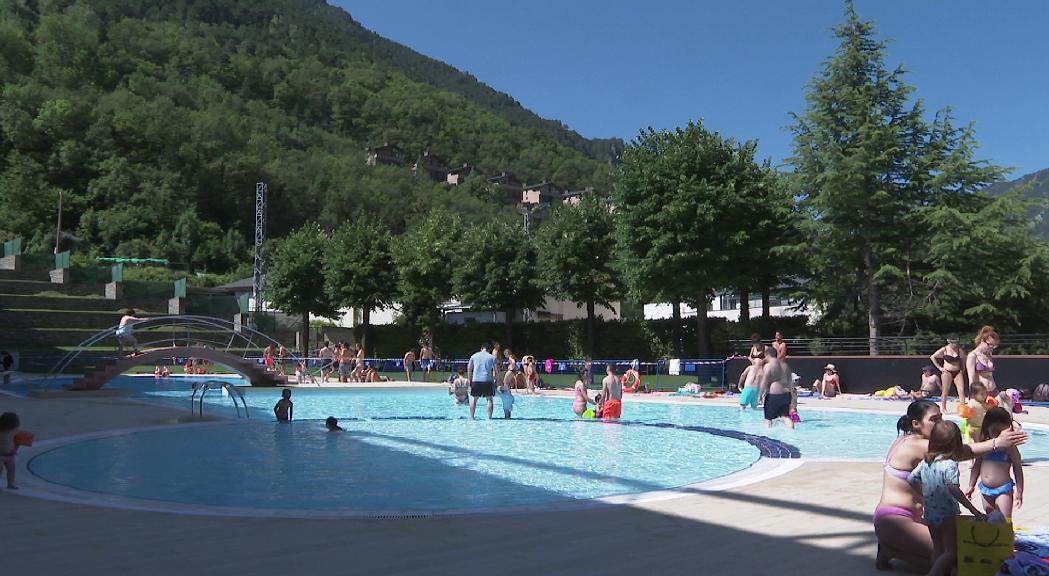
(979, 365)
(948, 360)
(582, 398)
(897, 519)
(750, 395)
(993, 469)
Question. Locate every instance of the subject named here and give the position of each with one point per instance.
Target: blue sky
(611, 68)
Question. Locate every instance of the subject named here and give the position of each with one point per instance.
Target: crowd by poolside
(923, 491)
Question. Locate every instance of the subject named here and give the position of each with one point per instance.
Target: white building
(726, 305)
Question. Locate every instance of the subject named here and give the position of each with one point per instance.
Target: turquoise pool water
(415, 450)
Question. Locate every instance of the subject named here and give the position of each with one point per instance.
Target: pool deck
(812, 520)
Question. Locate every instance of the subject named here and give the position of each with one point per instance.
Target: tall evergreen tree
(854, 146)
(899, 226)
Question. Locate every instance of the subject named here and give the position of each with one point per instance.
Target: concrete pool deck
(814, 519)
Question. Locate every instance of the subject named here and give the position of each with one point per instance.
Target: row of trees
(880, 223)
(661, 237)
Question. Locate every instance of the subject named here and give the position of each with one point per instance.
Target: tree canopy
(145, 115)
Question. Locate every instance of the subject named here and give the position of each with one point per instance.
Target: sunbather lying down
(899, 393)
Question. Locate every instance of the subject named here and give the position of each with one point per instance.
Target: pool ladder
(233, 391)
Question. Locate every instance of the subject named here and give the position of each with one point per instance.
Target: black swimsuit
(951, 360)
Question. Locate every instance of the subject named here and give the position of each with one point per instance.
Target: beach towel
(1026, 564)
(1035, 541)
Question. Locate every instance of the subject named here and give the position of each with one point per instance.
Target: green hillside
(1036, 187)
(154, 120)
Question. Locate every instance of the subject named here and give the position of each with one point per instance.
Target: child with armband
(974, 410)
(937, 477)
(11, 437)
(996, 484)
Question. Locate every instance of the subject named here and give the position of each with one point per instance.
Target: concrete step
(24, 286)
(25, 275)
(67, 336)
(78, 303)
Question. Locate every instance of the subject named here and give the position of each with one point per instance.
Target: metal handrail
(233, 392)
(174, 323)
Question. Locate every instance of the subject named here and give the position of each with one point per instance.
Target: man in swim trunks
(612, 392)
(480, 370)
(426, 361)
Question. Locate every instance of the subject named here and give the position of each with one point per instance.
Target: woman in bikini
(948, 360)
(582, 397)
(897, 519)
(979, 365)
(756, 376)
(531, 375)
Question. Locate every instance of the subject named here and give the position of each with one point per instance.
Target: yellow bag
(983, 546)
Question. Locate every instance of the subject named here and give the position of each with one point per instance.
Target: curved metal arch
(249, 338)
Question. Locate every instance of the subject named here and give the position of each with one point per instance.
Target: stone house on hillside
(510, 185)
(432, 165)
(542, 193)
(385, 155)
(457, 176)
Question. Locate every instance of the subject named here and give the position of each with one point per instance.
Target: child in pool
(993, 469)
(505, 395)
(284, 407)
(332, 424)
(599, 406)
(937, 478)
(8, 428)
(460, 386)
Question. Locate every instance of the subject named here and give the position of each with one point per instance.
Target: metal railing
(233, 391)
(174, 331)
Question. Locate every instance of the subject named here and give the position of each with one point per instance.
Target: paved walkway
(813, 520)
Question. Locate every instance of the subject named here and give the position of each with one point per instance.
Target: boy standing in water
(612, 392)
(283, 408)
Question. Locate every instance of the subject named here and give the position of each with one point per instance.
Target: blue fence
(665, 374)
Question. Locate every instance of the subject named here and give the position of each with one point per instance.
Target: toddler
(937, 475)
(974, 409)
(8, 429)
(506, 396)
(993, 469)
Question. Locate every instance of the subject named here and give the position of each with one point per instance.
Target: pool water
(414, 450)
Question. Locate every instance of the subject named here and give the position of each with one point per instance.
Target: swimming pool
(408, 451)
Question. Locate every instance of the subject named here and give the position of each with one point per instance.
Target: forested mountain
(155, 119)
(1036, 187)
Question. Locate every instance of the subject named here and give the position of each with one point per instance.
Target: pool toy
(24, 438)
(589, 413)
(795, 417)
(626, 378)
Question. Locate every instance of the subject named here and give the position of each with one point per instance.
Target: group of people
(916, 517)
(915, 520)
(608, 404)
(344, 362)
(769, 382)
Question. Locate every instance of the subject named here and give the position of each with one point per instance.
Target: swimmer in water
(283, 408)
